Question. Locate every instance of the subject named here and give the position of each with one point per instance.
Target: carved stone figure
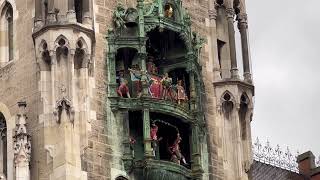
(197, 43)
(119, 16)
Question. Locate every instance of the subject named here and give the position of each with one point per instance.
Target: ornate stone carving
(22, 140)
(119, 16)
(64, 105)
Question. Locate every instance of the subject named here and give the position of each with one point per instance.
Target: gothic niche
(63, 65)
(227, 105)
(243, 115)
(170, 138)
(45, 65)
(3, 145)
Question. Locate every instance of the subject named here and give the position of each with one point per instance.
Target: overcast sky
(285, 52)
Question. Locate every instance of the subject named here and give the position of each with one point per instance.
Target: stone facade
(61, 67)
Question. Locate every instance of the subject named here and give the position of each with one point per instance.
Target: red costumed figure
(176, 155)
(123, 89)
(154, 137)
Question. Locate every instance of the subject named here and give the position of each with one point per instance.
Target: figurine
(151, 66)
(166, 82)
(118, 16)
(168, 11)
(136, 75)
(181, 94)
(176, 155)
(123, 89)
(154, 137)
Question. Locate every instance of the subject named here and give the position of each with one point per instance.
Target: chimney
(306, 163)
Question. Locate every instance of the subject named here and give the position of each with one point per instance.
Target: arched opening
(227, 105)
(172, 133)
(46, 58)
(166, 64)
(243, 115)
(79, 56)
(170, 137)
(121, 178)
(3, 145)
(6, 37)
(79, 10)
(128, 72)
(63, 72)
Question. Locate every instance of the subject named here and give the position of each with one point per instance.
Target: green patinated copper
(149, 15)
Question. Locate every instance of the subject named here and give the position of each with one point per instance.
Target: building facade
(125, 89)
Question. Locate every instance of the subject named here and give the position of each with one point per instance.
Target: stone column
(71, 76)
(112, 74)
(86, 12)
(71, 13)
(192, 90)
(232, 43)
(54, 87)
(144, 79)
(52, 14)
(146, 134)
(38, 21)
(243, 26)
(196, 156)
(214, 45)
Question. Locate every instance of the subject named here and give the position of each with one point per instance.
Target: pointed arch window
(6, 37)
(3, 146)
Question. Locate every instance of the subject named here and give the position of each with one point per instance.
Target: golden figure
(168, 11)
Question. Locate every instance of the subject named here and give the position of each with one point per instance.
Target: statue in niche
(136, 75)
(119, 16)
(154, 137)
(176, 155)
(166, 82)
(181, 94)
(123, 89)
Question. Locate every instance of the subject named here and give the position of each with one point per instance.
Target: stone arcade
(124, 89)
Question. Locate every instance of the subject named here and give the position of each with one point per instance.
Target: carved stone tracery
(22, 144)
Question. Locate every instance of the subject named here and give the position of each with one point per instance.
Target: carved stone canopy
(64, 105)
